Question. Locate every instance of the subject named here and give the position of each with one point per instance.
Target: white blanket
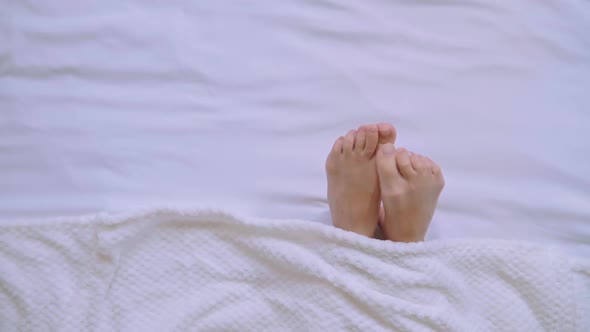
(206, 271)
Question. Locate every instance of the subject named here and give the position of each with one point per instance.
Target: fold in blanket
(206, 271)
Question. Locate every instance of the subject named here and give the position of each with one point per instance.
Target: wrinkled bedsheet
(119, 105)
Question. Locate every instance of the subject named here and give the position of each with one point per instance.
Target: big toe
(386, 165)
(387, 133)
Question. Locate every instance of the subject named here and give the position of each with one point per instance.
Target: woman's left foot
(410, 187)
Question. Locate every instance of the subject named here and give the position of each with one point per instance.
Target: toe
(402, 157)
(387, 133)
(349, 142)
(419, 163)
(372, 134)
(436, 171)
(360, 142)
(433, 166)
(386, 165)
(333, 158)
(337, 147)
(441, 180)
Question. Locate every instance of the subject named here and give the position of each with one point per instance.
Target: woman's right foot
(410, 187)
(353, 185)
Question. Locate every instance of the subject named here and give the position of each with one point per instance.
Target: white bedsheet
(203, 271)
(119, 105)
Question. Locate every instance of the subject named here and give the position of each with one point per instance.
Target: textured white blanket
(207, 271)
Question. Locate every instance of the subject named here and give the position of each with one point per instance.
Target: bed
(114, 107)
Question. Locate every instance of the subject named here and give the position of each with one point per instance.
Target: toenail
(388, 148)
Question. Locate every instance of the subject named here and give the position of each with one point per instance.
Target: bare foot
(410, 187)
(353, 185)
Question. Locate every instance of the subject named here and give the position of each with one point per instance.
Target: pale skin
(373, 185)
